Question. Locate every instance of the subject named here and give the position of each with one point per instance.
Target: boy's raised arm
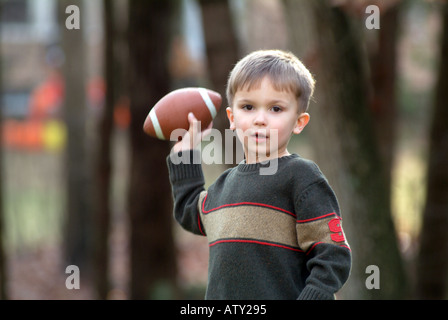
(186, 177)
(187, 182)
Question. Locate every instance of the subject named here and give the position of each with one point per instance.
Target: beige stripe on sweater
(250, 222)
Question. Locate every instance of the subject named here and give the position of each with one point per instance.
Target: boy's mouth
(260, 136)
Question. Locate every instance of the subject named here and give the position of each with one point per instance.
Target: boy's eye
(247, 107)
(276, 109)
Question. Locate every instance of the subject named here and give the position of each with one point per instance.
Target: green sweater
(270, 236)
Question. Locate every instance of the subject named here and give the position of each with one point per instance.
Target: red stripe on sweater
(245, 203)
(254, 241)
(199, 224)
(317, 218)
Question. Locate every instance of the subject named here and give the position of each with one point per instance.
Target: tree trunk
(343, 136)
(432, 263)
(220, 40)
(383, 69)
(153, 266)
(3, 293)
(222, 53)
(78, 217)
(103, 158)
(264, 25)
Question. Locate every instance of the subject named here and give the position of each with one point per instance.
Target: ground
(39, 273)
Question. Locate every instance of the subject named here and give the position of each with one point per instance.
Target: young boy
(271, 236)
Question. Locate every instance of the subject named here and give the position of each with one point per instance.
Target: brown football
(171, 111)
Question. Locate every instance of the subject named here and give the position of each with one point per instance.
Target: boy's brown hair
(283, 68)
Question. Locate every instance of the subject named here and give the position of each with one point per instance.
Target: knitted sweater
(270, 236)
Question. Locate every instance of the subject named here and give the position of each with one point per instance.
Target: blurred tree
(77, 229)
(432, 261)
(3, 293)
(103, 160)
(346, 146)
(263, 25)
(383, 73)
(220, 41)
(153, 263)
(221, 49)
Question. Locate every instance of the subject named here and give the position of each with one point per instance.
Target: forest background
(82, 185)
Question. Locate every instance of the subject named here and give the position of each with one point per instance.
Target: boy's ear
(302, 121)
(230, 117)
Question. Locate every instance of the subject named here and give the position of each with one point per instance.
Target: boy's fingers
(194, 130)
(193, 123)
(194, 135)
(191, 118)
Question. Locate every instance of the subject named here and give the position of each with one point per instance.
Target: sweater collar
(253, 167)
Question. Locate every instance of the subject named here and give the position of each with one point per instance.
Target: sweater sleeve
(187, 184)
(321, 237)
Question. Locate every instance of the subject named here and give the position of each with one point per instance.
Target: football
(171, 111)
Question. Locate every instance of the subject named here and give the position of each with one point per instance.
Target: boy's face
(264, 120)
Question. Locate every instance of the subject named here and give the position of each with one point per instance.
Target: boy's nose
(260, 118)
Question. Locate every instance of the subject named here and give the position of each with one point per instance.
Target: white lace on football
(156, 124)
(211, 107)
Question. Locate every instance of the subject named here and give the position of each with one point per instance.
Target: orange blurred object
(122, 114)
(47, 97)
(23, 135)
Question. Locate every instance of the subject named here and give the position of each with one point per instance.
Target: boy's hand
(193, 137)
